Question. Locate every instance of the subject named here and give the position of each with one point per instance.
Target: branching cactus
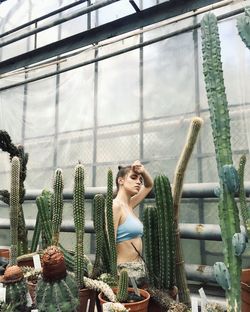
(99, 224)
(110, 224)
(58, 290)
(179, 176)
(57, 206)
(79, 221)
(228, 176)
(14, 207)
(151, 244)
(167, 256)
(122, 293)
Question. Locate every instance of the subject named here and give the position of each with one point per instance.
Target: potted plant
(127, 296)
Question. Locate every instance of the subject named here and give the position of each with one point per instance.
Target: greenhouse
(110, 105)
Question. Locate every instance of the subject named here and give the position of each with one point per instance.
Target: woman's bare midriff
(126, 252)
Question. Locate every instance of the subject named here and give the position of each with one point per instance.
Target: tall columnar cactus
(110, 224)
(245, 212)
(151, 240)
(179, 175)
(79, 221)
(167, 256)
(57, 206)
(14, 207)
(58, 290)
(229, 184)
(122, 293)
(99, 225)
(6, 145)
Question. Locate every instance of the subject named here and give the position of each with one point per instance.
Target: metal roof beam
(120, 26)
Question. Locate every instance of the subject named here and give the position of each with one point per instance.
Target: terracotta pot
(4, 254)
(245, 290)
(140, 306)
(87, 300)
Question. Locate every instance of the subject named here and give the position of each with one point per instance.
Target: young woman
(133, 185)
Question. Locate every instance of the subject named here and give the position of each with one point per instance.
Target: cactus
(6, 145)
(14, 206)
(122, 293)
(58, 290)
(164, 204)
(243, 25)
(151, 239)
(181, 280)
(79, 221)
(57, 206)
(99, 224)
(110, 225)
(242, 196)
(219, 115)
(16, 289)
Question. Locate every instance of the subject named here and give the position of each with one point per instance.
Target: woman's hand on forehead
(137, 167)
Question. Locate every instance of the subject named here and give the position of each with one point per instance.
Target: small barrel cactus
(16, 289)
(58, 290)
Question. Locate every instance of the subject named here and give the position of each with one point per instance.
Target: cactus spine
(179, 175)
(99, 224)
(57, 204)
(14, 207)
(79, 221)
(219, 115)
(150, 226)
(122, 293)
(110, 225)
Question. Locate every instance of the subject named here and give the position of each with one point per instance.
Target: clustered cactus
(228, 176)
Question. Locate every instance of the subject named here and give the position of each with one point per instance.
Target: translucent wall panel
(169, 77)
(118, 89)
(76, 99)
(40, 111)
